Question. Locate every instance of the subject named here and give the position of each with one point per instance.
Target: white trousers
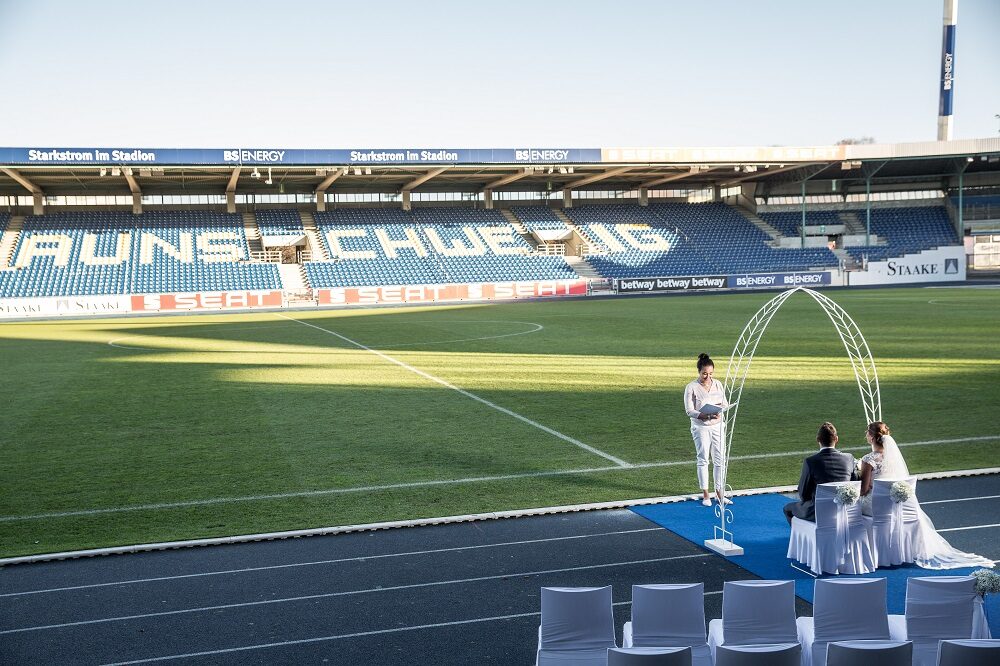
(708, 441)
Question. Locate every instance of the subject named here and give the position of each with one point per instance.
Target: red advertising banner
(215, 300)
(433, 293)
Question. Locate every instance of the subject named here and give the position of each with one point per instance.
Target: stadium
(358, 405)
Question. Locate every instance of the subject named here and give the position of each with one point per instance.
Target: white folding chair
(787, 654)
(865, 653)
(669, 616)
(895, 528)
(937, 608)
(970, 653)
(844, 609)
(838, 541)
(755, 612)
(650, 656)
(577, 626)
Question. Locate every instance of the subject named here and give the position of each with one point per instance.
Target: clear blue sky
(298, 74)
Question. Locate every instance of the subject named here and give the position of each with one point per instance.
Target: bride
(886, 462)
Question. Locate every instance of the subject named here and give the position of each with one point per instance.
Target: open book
(715, 409)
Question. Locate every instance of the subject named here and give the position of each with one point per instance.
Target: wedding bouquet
(987, 582)
(847, 495)
(900, 491)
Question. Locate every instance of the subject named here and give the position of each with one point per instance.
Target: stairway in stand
(582, 267)
(758, 222)
(9, 240)
(252, 232)
(316, 246)
(518, 226)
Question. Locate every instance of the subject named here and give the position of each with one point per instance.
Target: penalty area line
(503, 410)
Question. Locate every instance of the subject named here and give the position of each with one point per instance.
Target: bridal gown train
(936, 552)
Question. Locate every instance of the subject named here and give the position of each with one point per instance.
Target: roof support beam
(324, 185)
(231, 190)
(136, 191)
(420, 180)
(676, 176)
(587, 180)
(509, 178)
(770, 172)
(38, 207)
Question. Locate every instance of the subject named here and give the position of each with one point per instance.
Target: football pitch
(124, 431)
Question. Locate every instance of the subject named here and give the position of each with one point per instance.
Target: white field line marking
(328, 595)
(960, 499)
(538, 327)
(970, 527)
(360, 634)
(360, 558)
(467, 394)
(445, 482)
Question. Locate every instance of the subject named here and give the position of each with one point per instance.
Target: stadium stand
(279, 222)
(106, 252)
(686, 239)
(90, 253)
(907, 230)
(538, 218)
(382, 246)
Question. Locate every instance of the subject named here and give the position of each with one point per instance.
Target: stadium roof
(100, 171)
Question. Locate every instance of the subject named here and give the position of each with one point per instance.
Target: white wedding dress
(936, 552)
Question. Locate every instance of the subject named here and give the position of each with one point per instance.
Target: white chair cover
(577, 626)
(896, 534)
(838, 541)
(865, 653)
(755, 612)
(844, 609)
(669, 616)
(970, 653)
(937, 607)
(759, 655)
(650, 656)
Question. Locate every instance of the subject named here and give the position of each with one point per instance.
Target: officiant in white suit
(708, 430)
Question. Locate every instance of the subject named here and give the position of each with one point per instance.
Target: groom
(827, 466)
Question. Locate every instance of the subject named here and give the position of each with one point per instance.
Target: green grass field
(197, 426)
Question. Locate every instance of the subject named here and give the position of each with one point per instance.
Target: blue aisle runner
(760, 528)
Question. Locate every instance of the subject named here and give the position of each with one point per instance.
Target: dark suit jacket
(824, 467)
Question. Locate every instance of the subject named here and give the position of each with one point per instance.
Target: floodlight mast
(947, 90)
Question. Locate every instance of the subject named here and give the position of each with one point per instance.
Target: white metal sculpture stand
(739, 367)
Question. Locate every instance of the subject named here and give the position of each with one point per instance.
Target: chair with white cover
(577, 626)
(864, 653)
(939, 608)
(650, 656)
(844, 609)
(755, 612)
(895, 528)
(838, 541)
(670, 615)
(787, 654)
(970, 653)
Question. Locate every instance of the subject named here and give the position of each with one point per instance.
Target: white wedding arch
(739, 367)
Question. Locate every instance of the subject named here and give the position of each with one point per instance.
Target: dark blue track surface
(451, 594)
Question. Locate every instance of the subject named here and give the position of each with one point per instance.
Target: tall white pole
(947, 91)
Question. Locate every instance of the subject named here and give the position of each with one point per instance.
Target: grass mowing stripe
(345, 593)
(473, 396)
(442, 482)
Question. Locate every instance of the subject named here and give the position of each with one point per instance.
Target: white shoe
(725, 500)
(706, 502)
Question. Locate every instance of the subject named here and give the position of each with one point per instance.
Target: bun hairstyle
(827, 435)
(878, 430)
(703, 360)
